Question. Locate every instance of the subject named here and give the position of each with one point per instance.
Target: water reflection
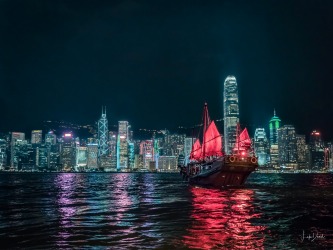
(65, 184)
(222, 219)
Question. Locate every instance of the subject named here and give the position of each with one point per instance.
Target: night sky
(154, 63)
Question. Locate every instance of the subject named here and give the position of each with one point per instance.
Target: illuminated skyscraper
(167, 163)
(122, 146)
(302, 152)
(3, 154)
(274, 125)
(81, 159)
(113, 148)
(261, 146)
(103, 135)
(50, 138)
(17, 139)
(67, 155)
(131, 155)
(231, 113)
(42, 157)
(173, 144)
(188, 148)
(147, 150)
(157, 142)
(287, 145)
(317, 150)
(92, 152)
(36, 136)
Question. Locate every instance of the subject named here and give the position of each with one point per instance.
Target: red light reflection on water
(221, 219)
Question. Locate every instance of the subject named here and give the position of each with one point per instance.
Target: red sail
(196, 151)
(213, 141)
(243, 141)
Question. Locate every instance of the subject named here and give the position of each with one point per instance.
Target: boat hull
(223, 173)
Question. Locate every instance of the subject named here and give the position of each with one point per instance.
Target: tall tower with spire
(274, 125)
(103, 134)
(231, 113)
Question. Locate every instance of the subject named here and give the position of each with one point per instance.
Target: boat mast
(238, 133)
(206, 122)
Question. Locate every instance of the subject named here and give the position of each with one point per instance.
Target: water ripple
(159, 211)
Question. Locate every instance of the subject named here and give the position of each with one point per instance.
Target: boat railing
(241, 159)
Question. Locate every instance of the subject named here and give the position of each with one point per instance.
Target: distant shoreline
(150, 172)
(92, 172)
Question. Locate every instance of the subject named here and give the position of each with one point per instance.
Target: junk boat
(209, 166)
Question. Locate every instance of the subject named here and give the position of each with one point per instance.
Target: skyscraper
(113, 148)
(50, 138)
(3, 154)
(274, 125)
(287, 145)
(67, 155)
(188, 148)
(302, 152)
(17, 139)
(317, 150)
(92, 152)
(36, 136)
(261, 146)
(147, 150)
(81, 159)
(103, 134)
(122, 146)
(231, 113)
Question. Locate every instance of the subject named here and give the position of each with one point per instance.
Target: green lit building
(274, 125)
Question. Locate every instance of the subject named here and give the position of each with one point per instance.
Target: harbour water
(160, 211)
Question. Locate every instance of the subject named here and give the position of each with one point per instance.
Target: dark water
(159, 211)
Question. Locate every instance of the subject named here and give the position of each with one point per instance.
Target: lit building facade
(3, 154)
(113, 148)
(167, 163)
(16, 142)
(92, 153)
(36, 136)
(188, 143)
(287, 144)
(81, 160)
(131, 155)
(173, 144)
(231, 113)
(122, 146)
(147, 151)
(42, 157)
(274, 125)
(316, 151)
(54, 158)
(67, 154)
(302, 152)
(50, 138)
(26, 156)
(103, 147)
(261, 146)
(157, 149)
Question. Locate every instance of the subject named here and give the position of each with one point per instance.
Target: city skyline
(155, 64)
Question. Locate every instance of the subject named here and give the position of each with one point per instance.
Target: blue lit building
(103, 147)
